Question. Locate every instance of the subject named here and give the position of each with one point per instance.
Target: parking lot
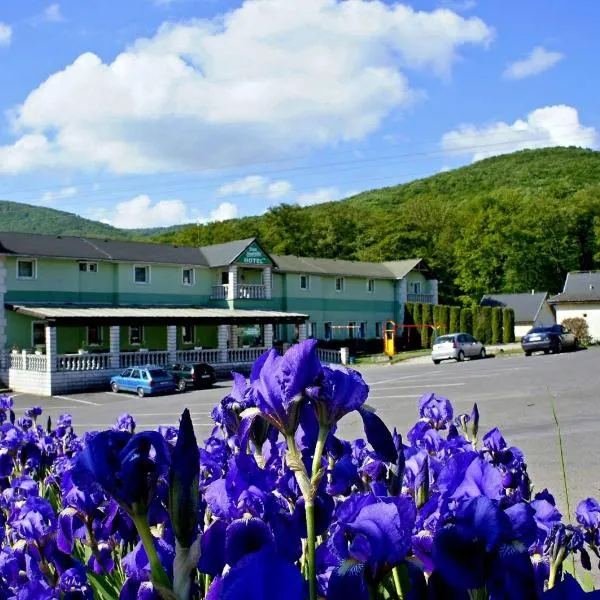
(514, 393)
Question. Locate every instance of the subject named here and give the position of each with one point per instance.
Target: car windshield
(444, 338)
(156, 373)
(541, 330)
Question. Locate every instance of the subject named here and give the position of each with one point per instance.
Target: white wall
(589, 312)
(521, 330)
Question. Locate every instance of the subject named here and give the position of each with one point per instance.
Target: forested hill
(505, 224)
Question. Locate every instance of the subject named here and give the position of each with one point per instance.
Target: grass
(379, 359)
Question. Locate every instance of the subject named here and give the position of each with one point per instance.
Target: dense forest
(505, 224)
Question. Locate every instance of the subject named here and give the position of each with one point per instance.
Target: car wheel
(181, 385)
(437, 362)
(114, 386)
(576, 344)
(460, 356)
(546, 351)
(558, 347)
(527, 353)
(483, 353)
(140, 392)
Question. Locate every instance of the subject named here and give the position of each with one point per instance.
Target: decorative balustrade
(244, 355)
(329, 356)
(198, 356)
(220, 292)
(82, 362)
(424, 298)
(151, 357)
(35, 362)
(252, 291)
(17, 361)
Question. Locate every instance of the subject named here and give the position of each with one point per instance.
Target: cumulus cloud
(53, 14)
(140, 212)
(52, 197)
(538, 61)
(268, 78)
(326, 194)
(223, 212)
(549, 126)
(5, 34)
(256, 185)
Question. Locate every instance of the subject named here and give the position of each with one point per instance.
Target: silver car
(456, 346)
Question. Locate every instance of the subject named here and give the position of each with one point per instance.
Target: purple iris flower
(125, 466)
(588, 516)
(546, 514)
(34, 412)
(125, 422)
(279, 390)
(227, 412)
(73, 584)
(35, 521)
(435, 409)
(6, 402)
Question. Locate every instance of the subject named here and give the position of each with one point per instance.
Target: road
(514, 393)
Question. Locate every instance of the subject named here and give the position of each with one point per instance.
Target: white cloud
(5, 34)
(256, 185)
(270, 78)
(140, 212)
(52, 197)
(223, 212)
(538, 61)
(53, 14)
(326, 194)
(549, 126)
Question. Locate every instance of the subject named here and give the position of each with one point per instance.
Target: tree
(454, 319)
(508, 325)
(485, 316)
(497, 325)
(418, 319)
(426, 333)
(466, 320)
(443, 318)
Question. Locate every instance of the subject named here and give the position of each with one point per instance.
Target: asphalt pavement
(514, 393)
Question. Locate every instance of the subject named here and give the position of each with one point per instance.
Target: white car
(456, 346)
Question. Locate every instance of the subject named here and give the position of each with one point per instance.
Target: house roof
(319, 266)
(158, 314)
(82, 248)
(580, 286)
(526, 306)
(220, 255)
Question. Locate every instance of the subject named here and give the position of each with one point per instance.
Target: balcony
(423, 298)
(244, 291)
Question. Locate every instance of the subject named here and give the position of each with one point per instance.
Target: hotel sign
(253, 255)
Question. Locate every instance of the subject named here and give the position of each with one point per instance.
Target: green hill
(508, 223)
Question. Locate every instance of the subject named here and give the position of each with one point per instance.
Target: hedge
(497, 325)
(486, 324)
(418, 319)
(466, 320)
(508, 325)
(444, 319)
(454, 319)
(427, 319)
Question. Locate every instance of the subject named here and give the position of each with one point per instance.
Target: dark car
(555, 338)
(201, 375)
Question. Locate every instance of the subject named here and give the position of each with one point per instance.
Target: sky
(158, 112)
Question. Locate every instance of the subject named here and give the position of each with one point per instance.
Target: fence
(198, 356)
(135, 359)
(244, 355)
(82, 362)
(329, 356)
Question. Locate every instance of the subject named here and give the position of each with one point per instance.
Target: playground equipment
(390, 334)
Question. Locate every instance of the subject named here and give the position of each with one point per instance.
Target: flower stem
(397, 583)
(311, 543)
(555, 566)
(319, 447)
(159, 574)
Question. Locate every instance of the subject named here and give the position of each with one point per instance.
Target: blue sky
(155, 112)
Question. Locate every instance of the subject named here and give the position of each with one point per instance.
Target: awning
(121, 315)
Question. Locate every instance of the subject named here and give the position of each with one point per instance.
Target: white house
(531, 310)
(580, 298)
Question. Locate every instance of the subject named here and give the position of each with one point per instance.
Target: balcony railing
(198, 356)
(82, 362)
(244, 291)
(424, 298)
(244, 355)
(151, 357)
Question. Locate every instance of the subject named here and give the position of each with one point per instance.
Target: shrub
(579, 326)
(497, 325)
(415, 333)
(466, 320)
(427, 319)
(478, 323)
(508, 325)
(454, 319)
(443, 318)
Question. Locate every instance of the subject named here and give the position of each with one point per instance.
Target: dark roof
(35, 245)
(220, 255)
(591, 297)
(329, 266)
(582, 282)
(526, 306)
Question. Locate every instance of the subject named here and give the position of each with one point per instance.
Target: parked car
(144, 380)
(456, 346)
(555, 338)
(201, 375)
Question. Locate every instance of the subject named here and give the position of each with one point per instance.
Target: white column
(115, 347)
(268, 335)
(267, 282)
(172, 343)
(50, 348)
(222, 336)
(401, 300)
(233, 341)
(402, 291)
(233, 283)
(3, 332)
(302, 332)
(433, 289)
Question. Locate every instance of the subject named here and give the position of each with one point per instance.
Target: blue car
(144, 380)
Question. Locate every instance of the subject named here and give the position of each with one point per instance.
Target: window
(351, 328)
(416, 287)
(339, 284)
(87, 267)
(135, 374)
(126, 373)
(378, 329)
(304, 282)
(188, 276)
(38, 334)
(224, 277)
(363, 330)
(136, 334)
(327, 330)
(94, 335)
(141, 274)
(187, 334)
(312, 329)
(26, 269)
(370, 285)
